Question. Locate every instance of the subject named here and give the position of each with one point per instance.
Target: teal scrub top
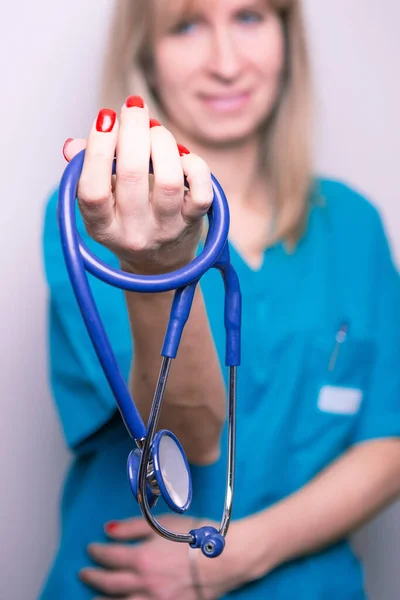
(300, 404)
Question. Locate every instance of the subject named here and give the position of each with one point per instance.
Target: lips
(226, 103)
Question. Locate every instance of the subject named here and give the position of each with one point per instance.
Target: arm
(83, 398)
(154, 226)
(360, 482)
(194, 406)
(364, 479)
(340, 499)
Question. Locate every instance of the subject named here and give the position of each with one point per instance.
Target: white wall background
(50, 54)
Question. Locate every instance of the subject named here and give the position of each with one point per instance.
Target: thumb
(128, 529)
(72, 147)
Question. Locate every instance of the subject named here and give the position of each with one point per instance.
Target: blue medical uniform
(302, 401)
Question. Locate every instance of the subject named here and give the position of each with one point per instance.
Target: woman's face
(217, 71)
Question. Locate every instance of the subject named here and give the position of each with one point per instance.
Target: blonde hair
(287, 147)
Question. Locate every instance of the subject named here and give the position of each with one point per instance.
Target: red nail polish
(134, 101)
(183, 150)
(65, 147)
(112, 526)
(154, 123)
(106, 120)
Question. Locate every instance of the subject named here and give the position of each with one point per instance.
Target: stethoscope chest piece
(171, 471)
(168, 473)
(133, 465)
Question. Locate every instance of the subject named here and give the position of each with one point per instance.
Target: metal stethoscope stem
(145, 446)
(158, 466)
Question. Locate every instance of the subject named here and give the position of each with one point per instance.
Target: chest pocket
(332, 388)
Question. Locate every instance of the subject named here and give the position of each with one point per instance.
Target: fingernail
(65, 148)
(82, 574)
(106, 120)
(154, 123)
(112, 526)
(183, 150)
(132, 101)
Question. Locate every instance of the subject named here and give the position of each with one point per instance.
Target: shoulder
(51, 231)
(346, 203)
(52, 197)
(352, 215)
(50, 207)
(354, 227)
(51, 243)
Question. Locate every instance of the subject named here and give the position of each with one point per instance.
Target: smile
(226, 104)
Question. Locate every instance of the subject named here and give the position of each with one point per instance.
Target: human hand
(159, 569)
(152, 224)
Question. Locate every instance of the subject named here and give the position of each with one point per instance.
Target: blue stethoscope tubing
(144, 472)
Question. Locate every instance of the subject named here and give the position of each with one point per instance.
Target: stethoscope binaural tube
(147, 464)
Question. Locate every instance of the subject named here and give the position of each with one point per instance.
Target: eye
(250, 16)
(183, 27)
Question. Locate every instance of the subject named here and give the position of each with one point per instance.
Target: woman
(319, 388)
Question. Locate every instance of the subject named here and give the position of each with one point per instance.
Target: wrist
(252, 547)
(245, 550)
(195, 574)
(158, 262)
(243, 560)
(268, 541)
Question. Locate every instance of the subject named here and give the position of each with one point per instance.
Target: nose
(225, 59)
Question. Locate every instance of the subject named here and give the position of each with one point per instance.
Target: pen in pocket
(340, 338)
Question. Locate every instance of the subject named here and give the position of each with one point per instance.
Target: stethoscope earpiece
(209, 540)
(158, 466)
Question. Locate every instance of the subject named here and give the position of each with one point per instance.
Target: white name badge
(339, 400)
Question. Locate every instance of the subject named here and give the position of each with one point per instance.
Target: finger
(133, 156)
(110, 582)
(113, 556)
(138, 528)
(94, 189)
(167, 196)
(199, 199)
(128, 529)
(72, 147)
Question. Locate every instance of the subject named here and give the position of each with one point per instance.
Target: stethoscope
(158, 466)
